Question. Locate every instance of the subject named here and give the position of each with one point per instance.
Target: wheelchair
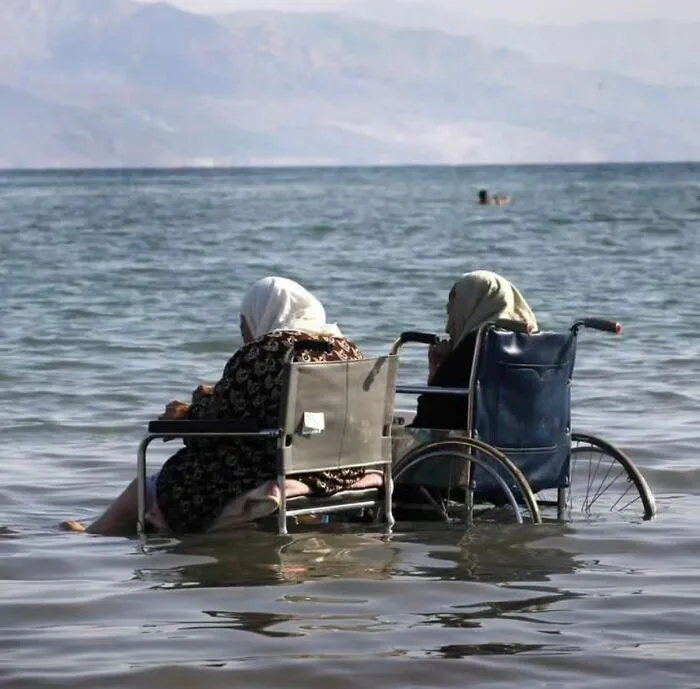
(517, 448)
(333, 415)
(516, 452)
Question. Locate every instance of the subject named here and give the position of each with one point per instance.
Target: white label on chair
(314, 422)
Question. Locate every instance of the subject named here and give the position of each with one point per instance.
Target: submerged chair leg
(282, 513)
(469, 495)
(388, 496)
(469, 504)
(141, 485)
(561, 503)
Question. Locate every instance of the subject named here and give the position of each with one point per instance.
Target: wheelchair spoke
(598, 489)
(601, 478)
(631, 502)
(440, 507)
(603, 487)
(591, 479)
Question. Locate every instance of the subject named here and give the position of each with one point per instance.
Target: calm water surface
(119, 292)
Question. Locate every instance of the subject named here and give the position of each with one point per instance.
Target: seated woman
(475, 299)
(195, 484)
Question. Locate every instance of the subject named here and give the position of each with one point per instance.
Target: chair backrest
(520, 402)
(337, 414)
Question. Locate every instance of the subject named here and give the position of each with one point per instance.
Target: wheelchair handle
(422, 338)
(599, 324)
(413, 336)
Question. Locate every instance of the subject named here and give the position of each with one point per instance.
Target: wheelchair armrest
(176, 427)
(431, 390)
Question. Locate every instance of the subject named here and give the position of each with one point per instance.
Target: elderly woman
(475, 299)
(195, 484)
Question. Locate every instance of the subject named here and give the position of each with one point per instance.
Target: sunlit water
(120, 292)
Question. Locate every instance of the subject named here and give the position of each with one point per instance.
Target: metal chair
(333, 415)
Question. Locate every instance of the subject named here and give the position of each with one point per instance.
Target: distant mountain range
(659, 51)
(121, 83)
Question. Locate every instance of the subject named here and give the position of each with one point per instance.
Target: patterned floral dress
(195, 484)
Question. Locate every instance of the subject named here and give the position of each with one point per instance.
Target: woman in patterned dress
(194, 485)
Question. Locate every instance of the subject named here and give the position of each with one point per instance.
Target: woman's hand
(201, 392)
(175, 410)
(437, 353)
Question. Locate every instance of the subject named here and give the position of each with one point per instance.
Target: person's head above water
(480, 297)
(277, 303)
(483, 196)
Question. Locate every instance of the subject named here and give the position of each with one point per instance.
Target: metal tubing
(561, 502)
(388, 495)
(141, 484)
(428, 390)
(282, 512)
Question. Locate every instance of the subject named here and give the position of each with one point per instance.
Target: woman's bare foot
(73, 526)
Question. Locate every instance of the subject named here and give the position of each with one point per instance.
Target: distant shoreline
(384, 166)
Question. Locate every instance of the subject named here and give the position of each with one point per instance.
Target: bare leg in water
(118, 520)
(120, 517)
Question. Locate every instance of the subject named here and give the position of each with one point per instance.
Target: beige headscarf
(483, 296)
(276, 303)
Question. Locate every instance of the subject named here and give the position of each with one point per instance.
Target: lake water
(119, 291)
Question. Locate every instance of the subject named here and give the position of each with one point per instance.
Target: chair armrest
(176, 427)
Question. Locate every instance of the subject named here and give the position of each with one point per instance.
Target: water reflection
(503, 573)
(256, 558)
(499, 553)
(459, 651)
(254, 622)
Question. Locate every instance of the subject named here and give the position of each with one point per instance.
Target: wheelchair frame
(471, 449)
(334, 444)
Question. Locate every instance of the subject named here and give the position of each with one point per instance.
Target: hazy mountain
(660, 51)
(116, 82)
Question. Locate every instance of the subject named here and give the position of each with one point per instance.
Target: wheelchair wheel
(449, 496)
(604, 479)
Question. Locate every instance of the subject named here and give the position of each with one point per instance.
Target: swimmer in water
(497, 200)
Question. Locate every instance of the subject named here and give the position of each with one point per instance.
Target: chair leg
(388, 496)
(561, 503)
(282, 513)
(469, 496)
(141, 485)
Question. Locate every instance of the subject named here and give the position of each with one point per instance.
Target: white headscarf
(483, 296)
(276, 303)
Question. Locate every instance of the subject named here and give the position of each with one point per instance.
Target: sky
(531, 11)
